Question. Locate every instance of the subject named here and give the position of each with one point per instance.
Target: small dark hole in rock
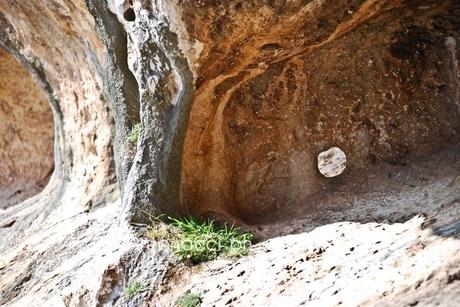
(8, 224)
(271, 47)
(129, 14)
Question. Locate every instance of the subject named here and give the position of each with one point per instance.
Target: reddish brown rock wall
(26, 133)
(279, 83)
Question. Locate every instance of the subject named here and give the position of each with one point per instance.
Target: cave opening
(26, 134)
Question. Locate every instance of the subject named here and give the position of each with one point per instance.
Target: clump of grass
(204, 241)
(133, 135)
(134, 289)
(188, 299)
(198, 241)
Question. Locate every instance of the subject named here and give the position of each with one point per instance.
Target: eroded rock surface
(26, 134)
(280, 82)
(342, 264)
(235, 100)
(264, 87)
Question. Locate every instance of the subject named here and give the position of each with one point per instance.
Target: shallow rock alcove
(378, 80)
(26, 133)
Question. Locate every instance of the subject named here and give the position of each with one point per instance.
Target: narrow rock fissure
(120, 85)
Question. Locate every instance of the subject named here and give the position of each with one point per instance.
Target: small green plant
(198, 241)
(204, 241)
(133, 135)
(188, 299)
(134, 289)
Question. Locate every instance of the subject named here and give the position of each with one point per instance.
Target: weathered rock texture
(236, 99)
(281, 81)
(26, 142)
(63, 52)
(342, 264)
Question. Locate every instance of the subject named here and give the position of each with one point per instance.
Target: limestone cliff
(235, 100)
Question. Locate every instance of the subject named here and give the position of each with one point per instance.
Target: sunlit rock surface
(236, 100)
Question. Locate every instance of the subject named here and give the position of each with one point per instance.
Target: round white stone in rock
(332, 162)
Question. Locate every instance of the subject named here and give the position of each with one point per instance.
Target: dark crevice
(8, 224)
(120, 86)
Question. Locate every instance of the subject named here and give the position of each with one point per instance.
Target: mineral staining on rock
(280, 80)
(236, 100)
(332, 162)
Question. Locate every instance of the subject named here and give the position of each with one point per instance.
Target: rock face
(26, 143)
(279, 82)
(265, 87)
(236, 100)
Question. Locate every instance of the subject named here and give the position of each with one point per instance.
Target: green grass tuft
(133, 135)
(134, 289)
(198, 241)
(204, 241)
(188, 299)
